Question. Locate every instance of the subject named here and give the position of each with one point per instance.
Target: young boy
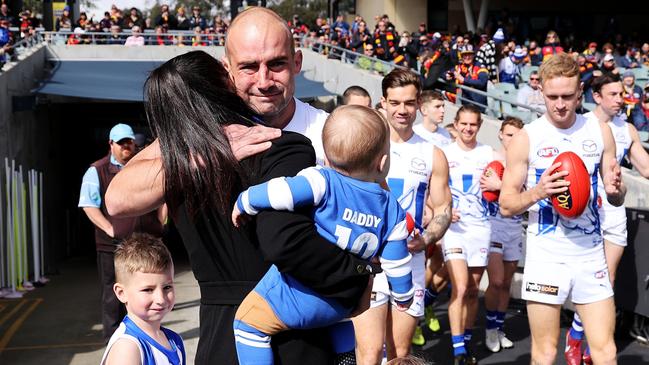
(144, 274)
(351, 210)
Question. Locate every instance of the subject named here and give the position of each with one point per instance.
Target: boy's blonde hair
(353, 137)
(141, 252)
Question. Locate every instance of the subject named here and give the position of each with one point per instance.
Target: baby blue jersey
(358, 216)
(151, 352)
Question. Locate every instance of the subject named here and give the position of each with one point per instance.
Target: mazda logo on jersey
(418, 164)
(452, 164)
(600, 274)
(546, 152)
(589, 145)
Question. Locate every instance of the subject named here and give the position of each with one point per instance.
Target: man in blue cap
(110, 231)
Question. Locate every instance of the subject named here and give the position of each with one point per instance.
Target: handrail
(169, 38)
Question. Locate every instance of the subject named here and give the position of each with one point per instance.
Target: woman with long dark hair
(189, 101)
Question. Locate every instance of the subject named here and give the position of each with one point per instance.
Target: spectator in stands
(134, 18)
(608, 64)
(166, 19)
(356, 95)
(632, 94)
(421, 30)
(628, 60)
(116, 15)
(471, 74)
(5, 41)
(5, 14)
(641, 120)
(161, 38)
(196, 19)
(366, 62)
(181, 18)
(136, 38)
(385, 42)
(360, 38)
(388, 23)
(105, 23)
(644, 54)
(218, 25)
(530, 94)
(587, 68)
(424, 46)
(592, 53)
(198, 39)
(510, 67)
(435, 65)
(115, 35)
(341, 25)
(552, 45)
(534, 53)
(490, 54)
(82, 21)
(408, 52)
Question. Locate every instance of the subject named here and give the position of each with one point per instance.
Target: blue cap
(121, 131)
(66, 8)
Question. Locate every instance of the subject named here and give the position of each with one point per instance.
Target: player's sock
(500, 320)
(429, 297)
(577, 330)
(253, 346)
(491, 320)
(458, 345)
(468, 335)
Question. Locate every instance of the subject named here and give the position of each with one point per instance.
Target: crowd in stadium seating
(434, 54)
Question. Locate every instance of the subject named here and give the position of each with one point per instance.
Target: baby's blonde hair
(353, 137)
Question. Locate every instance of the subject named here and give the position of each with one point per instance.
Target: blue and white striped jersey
(151, 352)
(358, 216)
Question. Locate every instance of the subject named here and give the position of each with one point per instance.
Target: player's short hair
(407, 360)
(353, 137)
(513, 121)
(430, 95)
(400, 78)
(604, 79)
(559, 65)
(141, 252)
(354, 90)
(468, 108)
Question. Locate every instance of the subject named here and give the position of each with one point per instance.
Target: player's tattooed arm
(439, 199)
(438, 225)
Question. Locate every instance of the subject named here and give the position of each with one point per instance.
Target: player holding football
(608, 94)
(563, 255)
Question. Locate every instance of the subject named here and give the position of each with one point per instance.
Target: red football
(410, 223)
(573, 201)
(497, 168)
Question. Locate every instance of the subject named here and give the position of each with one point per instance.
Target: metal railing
(172, 38)
(20, 48)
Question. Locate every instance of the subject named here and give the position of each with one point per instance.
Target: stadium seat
(641, 73)
(506, 87)
(589, 106)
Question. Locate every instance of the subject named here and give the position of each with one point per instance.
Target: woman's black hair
(188, 101)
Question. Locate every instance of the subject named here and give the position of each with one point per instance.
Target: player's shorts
(507, 240)
(470, 246)
(552, 283)
(613, 222)
(381, 290)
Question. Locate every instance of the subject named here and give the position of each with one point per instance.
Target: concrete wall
(408, 14)
(152, 53)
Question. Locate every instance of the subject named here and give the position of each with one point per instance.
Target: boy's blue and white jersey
(464, 171)
(358, 216)
(551, 237)
(151, 352)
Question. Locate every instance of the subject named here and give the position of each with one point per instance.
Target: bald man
(262, 63)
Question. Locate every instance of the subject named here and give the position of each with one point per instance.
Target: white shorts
(613, 222)
(472, 247)
(552, 283)
(381, 290)
(507, 240)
